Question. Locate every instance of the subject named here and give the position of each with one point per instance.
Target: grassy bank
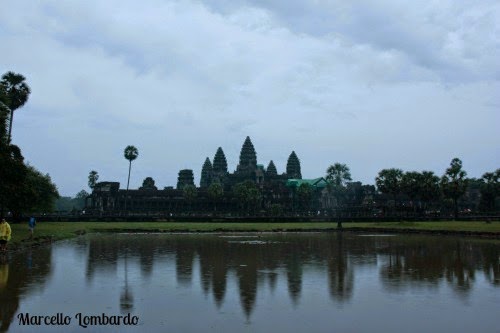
(61, 230)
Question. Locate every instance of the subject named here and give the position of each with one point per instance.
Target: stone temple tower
(219, 167)
(293, 166)
(206, 173)
(248, 157)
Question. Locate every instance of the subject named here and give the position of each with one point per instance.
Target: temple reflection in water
(243, 266)
(261, 260)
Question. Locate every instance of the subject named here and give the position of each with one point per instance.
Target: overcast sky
(373, 84)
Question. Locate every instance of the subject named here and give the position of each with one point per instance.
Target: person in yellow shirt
(5, 234)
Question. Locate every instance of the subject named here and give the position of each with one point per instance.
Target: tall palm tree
(4, 114)
(130, 153)
(93, 177)
(454, 183)
(389, 182)
(338, 175)
(17, 93)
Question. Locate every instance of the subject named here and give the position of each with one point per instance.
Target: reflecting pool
(261, 282)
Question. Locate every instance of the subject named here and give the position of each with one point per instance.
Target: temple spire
(271, 170)
(219, 168)
(248, 157)
(206, 173)
(185, 178)
(220, 162)
(293, 167)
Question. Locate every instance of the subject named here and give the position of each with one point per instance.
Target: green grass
(455, 226)
(63, 230)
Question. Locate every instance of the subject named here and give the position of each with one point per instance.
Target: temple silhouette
(251, 189)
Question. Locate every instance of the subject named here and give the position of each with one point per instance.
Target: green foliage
(130, 153)
(240, 192)
(80, 200)
(253, 197)
(190, 192)
(490, 190)
(82, 195)
(454, 182)
(64, 204)
(12, 175)
(16, 93)
(247, 194)
(304, 192)
(429, 187)
(93, 177)
(215, 191)
(23, 189)
(4, 114)
(68, 204)
(423, 187)
(389, 181)
(276, 210)
(338, 174)
(410, 184)
(356, 193)
(36, 193)
(148, 184)
(43, 192)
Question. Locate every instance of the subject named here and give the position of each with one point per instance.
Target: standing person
(31, 224)
(5, 234)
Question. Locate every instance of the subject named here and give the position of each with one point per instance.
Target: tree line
(424, 190)
(396, 193)
(23, 188)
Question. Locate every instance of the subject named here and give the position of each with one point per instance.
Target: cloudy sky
(373, 84)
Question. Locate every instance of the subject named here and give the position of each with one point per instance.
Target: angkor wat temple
(250, 189)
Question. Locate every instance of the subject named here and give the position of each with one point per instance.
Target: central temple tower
(248, 157)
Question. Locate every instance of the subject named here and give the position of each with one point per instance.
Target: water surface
(289, 282)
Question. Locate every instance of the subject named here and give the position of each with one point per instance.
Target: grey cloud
(179, 79)
(458, 40)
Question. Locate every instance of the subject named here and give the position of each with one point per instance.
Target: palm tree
(17, 92)
(490, 189)
(338, 175)
(411, 184)
(454, 183)
(429, 188)
(389, 181)
(93, 177)
(190, 192)
(130, 153)
(215, 192)
(305, 192)
(4, 114)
